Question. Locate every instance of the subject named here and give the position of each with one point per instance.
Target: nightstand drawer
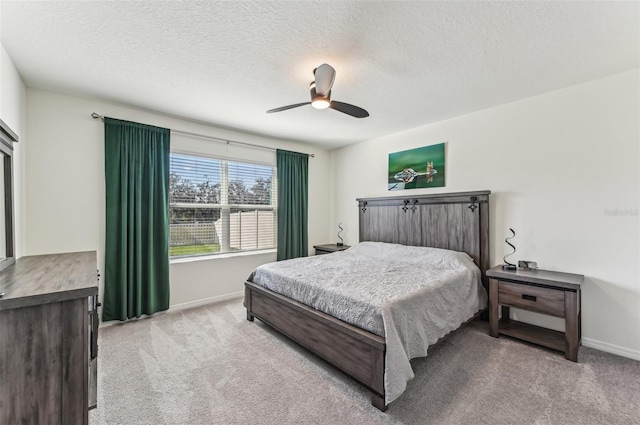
(534, 298)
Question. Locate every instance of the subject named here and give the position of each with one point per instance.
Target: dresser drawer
(534, 298)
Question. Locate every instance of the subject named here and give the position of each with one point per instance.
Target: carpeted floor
(211, 366)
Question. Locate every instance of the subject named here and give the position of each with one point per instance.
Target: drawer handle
(529, 297)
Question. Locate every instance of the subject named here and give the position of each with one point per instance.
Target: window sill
(179, 260)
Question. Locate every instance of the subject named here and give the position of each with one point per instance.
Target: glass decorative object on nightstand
(341, 242)
(507, 265)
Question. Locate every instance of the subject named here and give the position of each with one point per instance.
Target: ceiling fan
(320, 90)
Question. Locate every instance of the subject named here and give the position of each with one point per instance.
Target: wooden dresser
(48, 339)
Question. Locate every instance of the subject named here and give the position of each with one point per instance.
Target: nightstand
(329, 248)
(551, 293)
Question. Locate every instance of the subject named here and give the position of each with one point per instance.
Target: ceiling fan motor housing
(319, 101)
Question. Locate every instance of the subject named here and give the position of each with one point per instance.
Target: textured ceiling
(407, 63)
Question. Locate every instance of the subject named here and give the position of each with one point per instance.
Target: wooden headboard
(456, 221)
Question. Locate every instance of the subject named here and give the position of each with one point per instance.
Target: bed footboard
(358, 353)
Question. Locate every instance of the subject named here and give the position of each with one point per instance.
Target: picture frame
(418, 168)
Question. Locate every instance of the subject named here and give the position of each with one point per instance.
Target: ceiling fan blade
(284, 108)
(345, 108)
(325, 75)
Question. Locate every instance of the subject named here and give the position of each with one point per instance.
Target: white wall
(556, 164)
(13, 112)
(65, 188)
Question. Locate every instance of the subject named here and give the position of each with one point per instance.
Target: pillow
(435, 257)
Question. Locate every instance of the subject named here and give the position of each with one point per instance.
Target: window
(218, 206)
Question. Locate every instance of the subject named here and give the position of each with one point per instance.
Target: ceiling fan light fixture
(320, 103)
(320, 92)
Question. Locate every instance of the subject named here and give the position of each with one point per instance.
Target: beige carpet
(210, 366)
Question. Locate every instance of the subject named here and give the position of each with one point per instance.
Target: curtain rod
(203, 136)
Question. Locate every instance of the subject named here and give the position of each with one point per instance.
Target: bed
(373, 341)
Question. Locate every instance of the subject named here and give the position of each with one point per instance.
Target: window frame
(224, 204)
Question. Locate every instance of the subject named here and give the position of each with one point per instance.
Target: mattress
(411, 295)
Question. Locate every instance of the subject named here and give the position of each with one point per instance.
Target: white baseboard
(181, 306)
(205, 301)
(610, 348)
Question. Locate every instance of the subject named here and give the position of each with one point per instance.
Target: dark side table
(329, 248)
(543, 291)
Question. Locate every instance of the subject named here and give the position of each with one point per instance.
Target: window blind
(218, 205)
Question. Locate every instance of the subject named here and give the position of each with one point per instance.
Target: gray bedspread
(412, 296)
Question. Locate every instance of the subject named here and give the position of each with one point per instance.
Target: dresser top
(538, 277)
(42, 279)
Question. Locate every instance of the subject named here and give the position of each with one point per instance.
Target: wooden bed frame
(456, 221)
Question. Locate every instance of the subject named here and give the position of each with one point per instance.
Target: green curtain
(293, 177)
(137, 216)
